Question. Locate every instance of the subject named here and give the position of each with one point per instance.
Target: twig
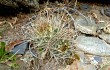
(70, 16)
(12, 56)
(10, 24)
(75, 4)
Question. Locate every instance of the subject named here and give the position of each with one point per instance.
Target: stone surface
(98, 59)
(18, 3)
(107, 12)
(20, 48)
(105, 37)
(88, 25)
(93, 45)
(85, 7)
(85, 25)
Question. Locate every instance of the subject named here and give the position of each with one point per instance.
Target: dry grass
(52, 34)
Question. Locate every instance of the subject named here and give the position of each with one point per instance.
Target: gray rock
(93, 45)
(107, 12)
(85, 7)
(102, 11)
(98, 59)
(86, 25)
(18, 3)
(20, 48)
(105, 37)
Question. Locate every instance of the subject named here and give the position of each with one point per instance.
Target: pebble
(96, 60)
(107, 12)
(85, 7)
(71, 11)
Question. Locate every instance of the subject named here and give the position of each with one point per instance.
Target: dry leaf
(12, 44)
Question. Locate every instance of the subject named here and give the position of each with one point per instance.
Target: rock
(96, 60)
(71, 11)
(85, 7)
(102, 11)
(86, 25)
(20, 48)
(18, 3)
(107, 12)
(93, 45)
(101, 25)
(105, 37)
